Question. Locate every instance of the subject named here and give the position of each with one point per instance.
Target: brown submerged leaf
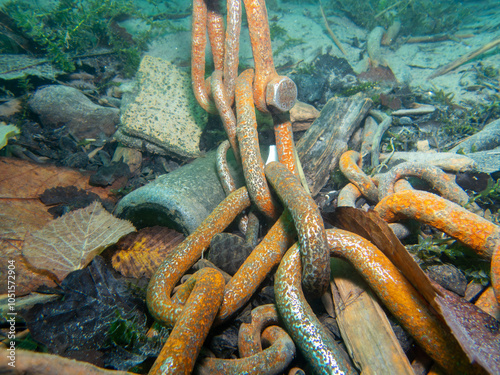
(72, 241)
(139, 254)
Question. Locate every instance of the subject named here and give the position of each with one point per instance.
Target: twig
(454, 64)
(330, 32)
(387, 9)
(437, 38)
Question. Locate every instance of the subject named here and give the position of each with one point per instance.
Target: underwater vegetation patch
(74, 27)
(417, 17)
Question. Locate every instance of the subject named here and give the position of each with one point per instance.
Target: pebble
(58, 105)
(449, 277)
(228, 252)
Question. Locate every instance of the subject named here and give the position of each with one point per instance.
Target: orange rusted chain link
(252, 229)
(186, 254)
(480, 234)
(350, 194)
(215, 28)
(231, 58)
(495, 273)
(284, 142)
(266, 255)
(316, 345)
(179, 353)
(260, 38)
(440, 181)
(223, 171)
(248, 138)
(310, 228)
(348, 164)
(199, 43)
(401, 299)
(272, 360)
(249, 341)
(225, 111)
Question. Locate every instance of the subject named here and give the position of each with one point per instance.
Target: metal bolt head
(281, 94)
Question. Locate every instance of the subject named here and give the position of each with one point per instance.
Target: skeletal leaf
(72, 241)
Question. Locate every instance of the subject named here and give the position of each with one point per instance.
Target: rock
(228, 252)
(449, 277)
(328, 75)
(130, 156)
(164, 116)
(107, 175)
(486, 161)
(486, 139)
(302, 115)
(58, 105)
(76, 160)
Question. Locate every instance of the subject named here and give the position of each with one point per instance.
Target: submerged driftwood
(326, 140)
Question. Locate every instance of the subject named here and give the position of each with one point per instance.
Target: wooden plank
(364, 326)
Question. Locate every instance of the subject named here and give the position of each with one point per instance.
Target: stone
(449, 277)
(58, 105)
(162, 115)
(486, 139)
(487, 161)
(228, 252)
(130, 156)
(302, 115)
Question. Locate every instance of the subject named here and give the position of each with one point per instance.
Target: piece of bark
(32, 363)
(326, 140)
(364, 326)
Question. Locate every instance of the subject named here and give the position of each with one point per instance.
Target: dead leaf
(28, 362)
(72, 241)
(22, 182)
(27, 280)
(93, 312)
(477, 332)
(139, 254)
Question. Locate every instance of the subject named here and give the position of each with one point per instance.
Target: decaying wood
(364, 326)
(326, 140)
(32, 363)
(462, 60)
(437, 38)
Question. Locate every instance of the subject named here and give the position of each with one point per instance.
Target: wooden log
(323, 143)
(364, 326)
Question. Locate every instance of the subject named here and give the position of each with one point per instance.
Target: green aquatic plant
(434, 250)
(74, 27)
(417, 17)
(489, 197)
(277, 31)
(360, 87)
